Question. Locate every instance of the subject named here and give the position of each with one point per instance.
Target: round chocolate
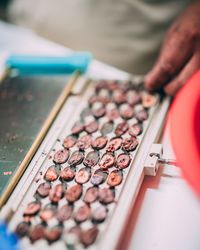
(129, 144)
(107, 161)
(51, 174)
(91, 195)
(132, 97)
(47, 213)
(121, 128)
(82, 214)
(126, 112)
(73, 193)
(84, 142)
(43, 189)
(36, 233)
(82, 176)
(141, 115)
(22, 229)
(114, 178)
(119, 97)
(56, 193)
(106, 195)
(99, 143)
(91, 159)
(114, 144)
(112, 114)
(98, 113)
(76, 158)
(61, 156)
(123, 161)
(77, 128)
(91, 127)
(98, 177)
(107, 128)
(64, 213)
(69, 141)
(135, 130)
(99, 214)
(32, 208)
(67, 174)
(89, 236)
(53, 234)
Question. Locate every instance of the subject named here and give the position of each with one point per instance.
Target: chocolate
(99, 214)
(82, 214)
(76, 158)
(22, 229)
(32, 208)
(67, 174)
(36, 233)
(112, 86)
(114, 178)
(123, 161)
(99, 143)
(98, 113)
(43, 189)
(91, 127)
(69, 141)
(107, 161)
(98, 177)
(73, 193)
(112, 114)
(129, 144)
(53, 234)
(91, 159)
(91, 195)
(77, 128)
(148, 100)
(121, 128)
(107, 128)
(47, 213)
(106, 196)
(114, 144)
(64, 213)
(93, 99)
(135, 130)
(89, 236)
(126, 112)
(141, 115)
(51, 174)
(56, 193)
(76, 230)
(119, 97)
(82, 176)
(84, 142)
(101, 85)
(61, 156)
(132, 97)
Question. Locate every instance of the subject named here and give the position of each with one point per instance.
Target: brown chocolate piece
(22, 229)
(141, 115)
(89, 236)
(98, 177)
(36, 233)
(73, 193)
(64, 213)
(135, 130)
(93, 99)
(82, 214)
(99, 214)
(43, 189)
(107, 161)
(84, 142)
(82, 176)
(123, 161)
(77, 128)
(126, 112)
(114, 144)
(121, 128)
(98, 113)
(91, 195)
(148, 100)
(132, 97)
(114, 178)
(99, 143)
(56, 193)
(53, 234)
(69, 141)
(106, 195)
(91, 159)
(129, 144)
(32, 208)
(51, 174)
(107, 128)
(61, 156)
(112, 114)
(47, 213)
(119, 97)
(91, 127)
(76, 158)
(67, 174)
(102, 84)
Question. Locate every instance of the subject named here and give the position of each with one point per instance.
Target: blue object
(29, 64)
(8, 241)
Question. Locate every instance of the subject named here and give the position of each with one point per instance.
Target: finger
(175, 53)
(192, 66)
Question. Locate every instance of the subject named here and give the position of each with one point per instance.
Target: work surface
(166, 215)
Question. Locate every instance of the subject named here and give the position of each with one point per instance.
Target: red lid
(185, 130)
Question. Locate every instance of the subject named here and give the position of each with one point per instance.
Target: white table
(167, 213)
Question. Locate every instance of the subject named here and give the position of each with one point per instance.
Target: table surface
(166, 214)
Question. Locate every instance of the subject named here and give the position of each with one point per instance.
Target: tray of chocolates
(89, 169)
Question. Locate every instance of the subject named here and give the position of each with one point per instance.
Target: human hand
(180, 54)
